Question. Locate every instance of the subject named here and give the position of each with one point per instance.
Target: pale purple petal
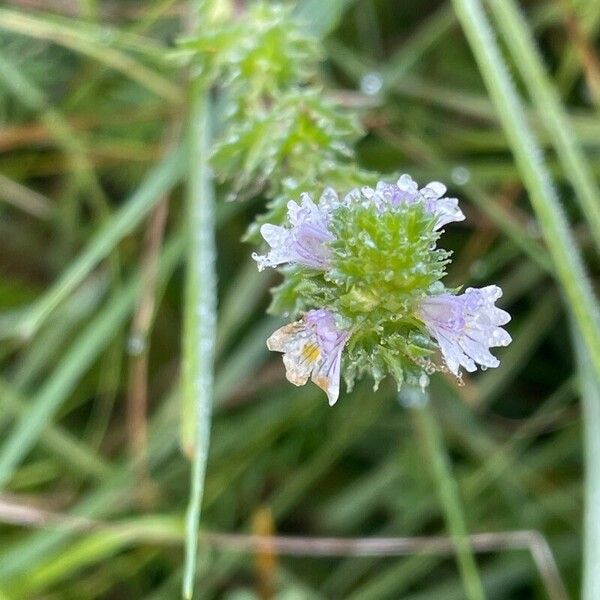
(466, 326)
(305, 241)
(406, 191)
(312, 348)
(446, 210)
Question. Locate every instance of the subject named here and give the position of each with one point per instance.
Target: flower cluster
(364, 272)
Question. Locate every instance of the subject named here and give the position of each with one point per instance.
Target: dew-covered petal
(434, 189)
(279, 238)
(312, 348)
(446, 210)
(329, 201)
(386, 196)
(305, 241)
(466, 326)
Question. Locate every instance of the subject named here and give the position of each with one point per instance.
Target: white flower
(305, 241)
(312, 348)
(466, 326)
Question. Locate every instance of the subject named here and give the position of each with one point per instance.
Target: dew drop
(371, 83)
(290, 182)
(366, 239)
(460, 175)
(412, 396)
(136, 345)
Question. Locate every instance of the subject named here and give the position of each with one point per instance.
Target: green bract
(301, 135)
(382, 260)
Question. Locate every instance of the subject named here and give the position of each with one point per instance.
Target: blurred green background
(94, 484)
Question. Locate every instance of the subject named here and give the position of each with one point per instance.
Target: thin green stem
(528, 61)
(561, 244)
(448, 494)
(590, 400)
(200, 322)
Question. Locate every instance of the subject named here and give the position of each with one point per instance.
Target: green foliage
(255, 58)
(85, 516)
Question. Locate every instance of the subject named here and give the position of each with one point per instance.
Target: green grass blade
(563, 248)
(85, 349)
(590, 400)
(200, 319)
(70, 38)
(528, 61)
(429, 35)
(71, 451)
(99, 502)
(75, 150)
(448, 493)
(570, 66)
(121, 223)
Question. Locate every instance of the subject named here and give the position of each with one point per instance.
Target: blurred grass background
(94, 483)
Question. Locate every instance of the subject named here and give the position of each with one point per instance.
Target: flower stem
(199, 317)
(435, 452)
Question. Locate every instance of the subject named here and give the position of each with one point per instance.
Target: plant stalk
(590, 401)
(199, 318)
(436, 455)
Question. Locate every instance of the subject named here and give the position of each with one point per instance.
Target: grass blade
(528, 61)
(590, 400)
(563, 247)
(322, 18)
(436, 456)
(83, 352)
(70, 38)
(121, 223)
(200, 319)
(71, 451)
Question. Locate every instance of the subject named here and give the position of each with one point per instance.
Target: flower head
(466, 326)
(406, 191)
(312, 348)
(304, 242)
(371, 260)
